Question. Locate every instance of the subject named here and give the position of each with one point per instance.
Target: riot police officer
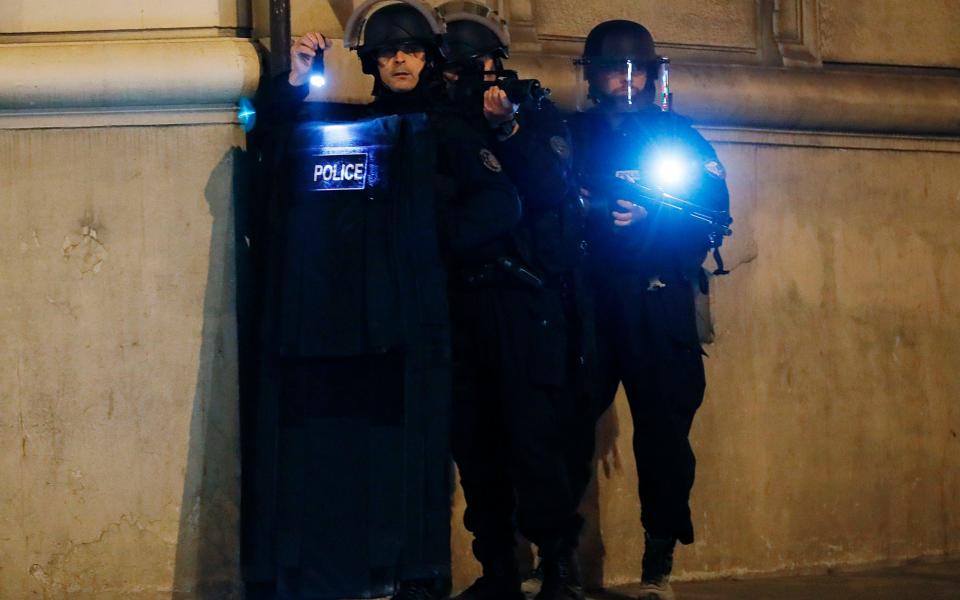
(643, 263)
(512, 311)
(362, 498)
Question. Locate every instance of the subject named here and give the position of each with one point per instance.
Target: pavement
(914, 581)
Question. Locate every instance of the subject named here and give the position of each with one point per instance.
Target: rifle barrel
(639, 193)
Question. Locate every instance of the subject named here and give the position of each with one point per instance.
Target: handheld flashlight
(318, 78)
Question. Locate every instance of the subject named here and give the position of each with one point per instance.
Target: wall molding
(572, 46)
(796, 27)
(751, 96)
(124, 78)
(123, 34)
(523, 24)
(826, 139)
(146, 116)
(197, 80)
(856, 100)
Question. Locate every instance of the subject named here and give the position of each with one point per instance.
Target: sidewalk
(918, 581)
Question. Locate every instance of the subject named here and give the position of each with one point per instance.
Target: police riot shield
(359, 485)
(357, 219)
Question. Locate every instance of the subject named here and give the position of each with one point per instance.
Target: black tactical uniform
(512, 315)
(516, 362)
(360, 323)
(642, 277)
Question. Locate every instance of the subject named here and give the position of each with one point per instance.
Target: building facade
(830, 434)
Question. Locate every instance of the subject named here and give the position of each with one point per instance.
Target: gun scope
(520, 91)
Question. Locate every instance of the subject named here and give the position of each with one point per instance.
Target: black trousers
(512, 405)
(646, 339)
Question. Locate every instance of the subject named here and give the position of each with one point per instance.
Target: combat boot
(500, 581)
(561, 577)
(533, 581)
(657, 566)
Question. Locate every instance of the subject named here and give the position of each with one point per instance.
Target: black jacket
(539, 160)
(664, 244)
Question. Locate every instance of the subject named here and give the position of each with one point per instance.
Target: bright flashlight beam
(318, 81)
(669, 171)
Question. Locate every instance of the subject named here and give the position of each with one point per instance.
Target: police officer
(512, 313)
(363, 447)
(643, 264)
(397, 44)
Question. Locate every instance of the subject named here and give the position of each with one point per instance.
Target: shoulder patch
(716, 169)
(490, 161)
(560, 146)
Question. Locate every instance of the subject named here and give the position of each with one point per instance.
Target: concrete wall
(119, 369)
(830, 431)
(118, 366)
(889, 32)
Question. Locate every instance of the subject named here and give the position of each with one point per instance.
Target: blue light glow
(318, 81)
(246, 115)
(670, 171)
(339, 136)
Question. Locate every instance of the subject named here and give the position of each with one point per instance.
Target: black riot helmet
(379, 24)
(620, 40)
(620, 46)
(473, 31)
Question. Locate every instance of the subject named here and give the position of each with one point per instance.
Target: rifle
(519, 90)
(625, 185)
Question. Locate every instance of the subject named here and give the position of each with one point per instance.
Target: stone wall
(829, 435)
(118, 380)
(119, 374)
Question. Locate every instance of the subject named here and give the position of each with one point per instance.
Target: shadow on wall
(591, 553)
(208, 543)
(606, 460)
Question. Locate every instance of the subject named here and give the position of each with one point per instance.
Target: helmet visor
(617, 84)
